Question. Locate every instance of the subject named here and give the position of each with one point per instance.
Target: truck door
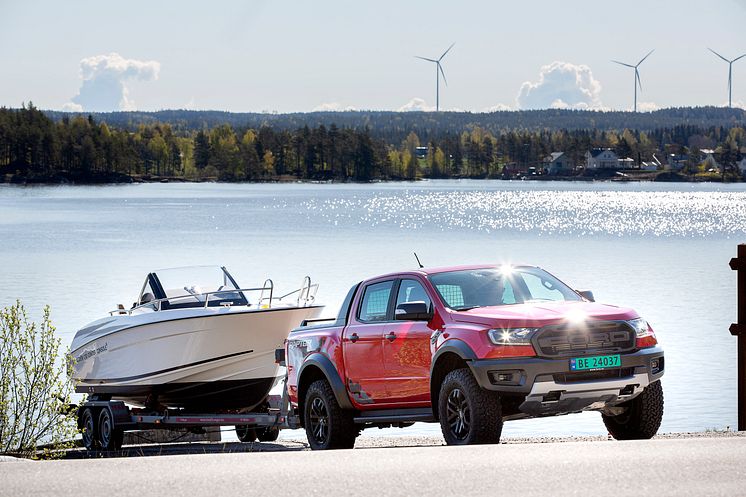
(363, 342)
(406, 351)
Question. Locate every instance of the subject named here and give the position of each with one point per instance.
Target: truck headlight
(640, 326)
(511, 336)
(645, 336)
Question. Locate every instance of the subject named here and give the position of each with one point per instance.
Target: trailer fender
(322, 363)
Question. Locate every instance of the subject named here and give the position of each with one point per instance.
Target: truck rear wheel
(468, 413)
(642, 417)
(328, 426)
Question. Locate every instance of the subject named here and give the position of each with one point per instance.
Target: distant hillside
(394, 126)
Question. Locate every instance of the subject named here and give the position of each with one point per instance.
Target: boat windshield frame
(193, 296)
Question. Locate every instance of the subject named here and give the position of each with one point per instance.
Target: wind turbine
(637, 73)
(438, 72)
(730, 74)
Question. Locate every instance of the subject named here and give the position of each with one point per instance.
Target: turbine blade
(741, 57)
(730, 78)
(623, 63)
(643, 59)
(444, 74)
(444, 53)
(425, 58)
(713, 51)
(637, 77)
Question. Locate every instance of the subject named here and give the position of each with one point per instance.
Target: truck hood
(535, 315)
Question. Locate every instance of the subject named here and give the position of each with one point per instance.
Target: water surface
(660, 248)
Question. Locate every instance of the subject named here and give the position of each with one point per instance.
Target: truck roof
(444, 269)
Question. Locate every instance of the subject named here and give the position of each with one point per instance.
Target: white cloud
(104, 85)
(647, 106)
(332, 107)
(416, 105)
(71, 107)
(498, 108)
(561, 85)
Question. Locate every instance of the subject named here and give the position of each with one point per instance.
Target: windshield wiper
(467, 308)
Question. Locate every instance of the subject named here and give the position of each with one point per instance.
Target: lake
(662, 249)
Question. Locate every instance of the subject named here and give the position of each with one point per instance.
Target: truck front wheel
(468, 413)
(642, 417)
(328, 426)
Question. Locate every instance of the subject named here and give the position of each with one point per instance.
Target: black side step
(395, 416)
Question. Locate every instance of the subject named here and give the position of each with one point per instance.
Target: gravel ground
(363, 442)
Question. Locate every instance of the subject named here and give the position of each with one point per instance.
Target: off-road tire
(245, 434)
(328, 426)
(268, 434)
(481, 421)
(642, 418)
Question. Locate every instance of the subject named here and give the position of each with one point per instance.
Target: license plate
(595, 362)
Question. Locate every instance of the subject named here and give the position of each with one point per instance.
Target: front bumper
(551, 388)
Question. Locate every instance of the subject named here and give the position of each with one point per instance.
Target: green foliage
(39, 146)
(34, 391)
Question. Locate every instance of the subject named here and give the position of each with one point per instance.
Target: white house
(742, 166)
(557, 163)
(627, 163)
(601, 158)
(709, 160)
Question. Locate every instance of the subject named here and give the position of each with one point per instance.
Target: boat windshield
(188, 286)
(468, 289)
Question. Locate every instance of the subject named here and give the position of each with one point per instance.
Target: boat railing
(306, 296)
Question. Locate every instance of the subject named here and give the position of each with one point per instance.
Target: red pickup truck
(471, 347)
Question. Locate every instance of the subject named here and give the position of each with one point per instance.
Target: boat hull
(198, 359)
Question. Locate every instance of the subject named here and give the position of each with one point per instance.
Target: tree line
(35, 147)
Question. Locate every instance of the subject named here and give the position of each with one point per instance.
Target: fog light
(504, 377)
(656, 365)
(509, 377)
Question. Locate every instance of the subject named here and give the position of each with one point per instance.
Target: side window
(540, 289)
(412, 291)
(375, 302)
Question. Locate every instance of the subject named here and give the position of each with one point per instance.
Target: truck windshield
(467, 289)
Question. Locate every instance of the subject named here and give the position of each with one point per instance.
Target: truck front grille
(588, 338)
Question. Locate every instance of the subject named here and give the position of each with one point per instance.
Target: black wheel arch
(318, 366)
(454, 354)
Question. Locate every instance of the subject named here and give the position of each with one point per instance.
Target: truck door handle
(354, 338)
(390, 336)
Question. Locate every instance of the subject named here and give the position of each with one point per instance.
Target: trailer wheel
(245, 434)
(328, 426)
(87, 423)
(268, 434)
(109, 437)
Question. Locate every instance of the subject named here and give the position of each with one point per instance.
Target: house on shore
(708, 159)
(742, 166)
(557, 163)
(601, 158)
(627, 163)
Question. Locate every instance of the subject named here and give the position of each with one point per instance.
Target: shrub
(34, 391)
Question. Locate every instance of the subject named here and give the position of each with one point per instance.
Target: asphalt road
(676, 467)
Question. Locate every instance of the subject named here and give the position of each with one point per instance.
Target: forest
(37, 146)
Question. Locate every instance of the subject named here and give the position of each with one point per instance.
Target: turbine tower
(438, 72)
(730, 74)
(637, 73)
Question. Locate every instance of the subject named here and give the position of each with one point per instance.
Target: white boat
(194, 339)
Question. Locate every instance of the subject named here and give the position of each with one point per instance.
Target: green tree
(34, 389)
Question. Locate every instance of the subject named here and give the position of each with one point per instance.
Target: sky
(300, 56)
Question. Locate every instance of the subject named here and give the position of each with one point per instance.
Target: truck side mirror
(412, 311)
(586, 294)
